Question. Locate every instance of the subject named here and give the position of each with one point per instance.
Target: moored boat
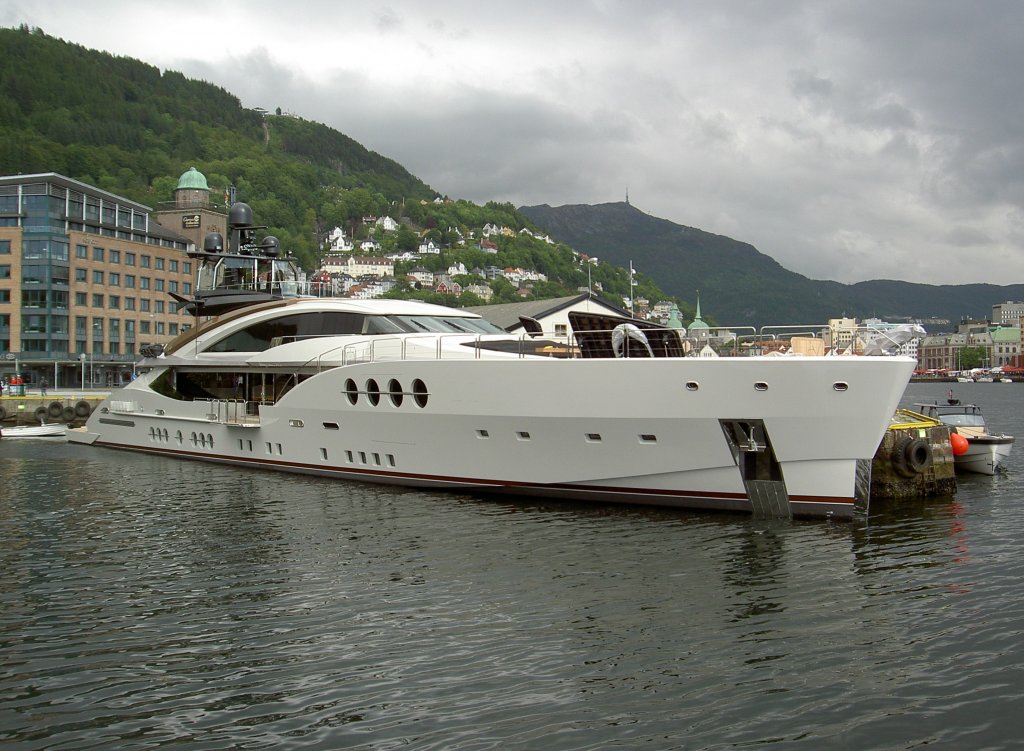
(406, 393)
(984, 452)
(34, 431)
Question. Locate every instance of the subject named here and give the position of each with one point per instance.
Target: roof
(193, 179)
(507, 315)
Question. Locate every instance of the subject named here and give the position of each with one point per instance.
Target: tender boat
(985, 452)
(406, 393)
(34, 431)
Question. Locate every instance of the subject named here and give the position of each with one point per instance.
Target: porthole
(372, 392)
(420, 393)
(522, 435)
(351, 391)
(395, 392)
(840, 386)
(648, 438)
(760, 386)
(482, 434)
(179, 437)
(593, 437)
(295, 423)
(692, 385)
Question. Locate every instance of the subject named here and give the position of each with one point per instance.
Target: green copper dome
(192, 180)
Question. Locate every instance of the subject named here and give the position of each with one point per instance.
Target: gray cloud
(847, 140)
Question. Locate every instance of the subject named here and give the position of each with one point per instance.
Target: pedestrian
(43, 385)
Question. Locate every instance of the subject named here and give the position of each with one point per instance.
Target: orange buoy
(959, 444)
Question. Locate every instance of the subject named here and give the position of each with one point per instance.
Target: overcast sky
(869, 139)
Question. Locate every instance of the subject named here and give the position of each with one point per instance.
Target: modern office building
(86, 276)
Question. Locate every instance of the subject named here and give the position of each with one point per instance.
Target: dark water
(147, 603)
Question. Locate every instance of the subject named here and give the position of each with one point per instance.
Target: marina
(149, 601)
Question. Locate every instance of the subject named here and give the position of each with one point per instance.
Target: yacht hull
(787, 436)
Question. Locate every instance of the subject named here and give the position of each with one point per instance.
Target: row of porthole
(396, 394)
(762, 386)
(162, 435)
(373, 392)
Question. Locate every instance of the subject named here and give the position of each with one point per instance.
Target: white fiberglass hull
(34, 431)
(984, 455)
(649, 431)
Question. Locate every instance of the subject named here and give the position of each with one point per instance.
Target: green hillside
(131, 129)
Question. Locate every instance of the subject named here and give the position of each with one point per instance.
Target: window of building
(129, 281)
(158, 285)
(159, 264)
(114, 302)
(186, 266)
(129, 259)
(5, 271)
(145, 261)
(115, 256)
(80, 323)
(97, 301)
(114, 279)
(172, 329)
(173, 265)
(160, 328)
(81, 298)
(5, 247)
(129, 303)
(158, 306)
(81, 251)
(143, 282)
(172, 286)
(186, 287)
(79, 275)
(97, 277)
(144, 305)
(97, 254)
(5, 295)
(144, 327)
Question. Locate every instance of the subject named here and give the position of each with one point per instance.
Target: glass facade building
(84, 278)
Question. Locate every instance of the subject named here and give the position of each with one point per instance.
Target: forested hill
(129, 128)
(740, 285)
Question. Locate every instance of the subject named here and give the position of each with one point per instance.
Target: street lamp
(81, 359)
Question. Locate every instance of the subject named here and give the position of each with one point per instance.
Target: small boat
(985, 452)
(55, 430)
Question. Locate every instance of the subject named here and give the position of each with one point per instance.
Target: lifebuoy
(68, 414)
(625, 333)
(911, 456)
(55, 409)
(83, 408)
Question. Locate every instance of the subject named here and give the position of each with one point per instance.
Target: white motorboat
(34, 431)
(985, 452)
(407, 393)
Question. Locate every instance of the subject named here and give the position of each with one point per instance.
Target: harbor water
(150, 603)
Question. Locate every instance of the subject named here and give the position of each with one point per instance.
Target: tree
(972, 357)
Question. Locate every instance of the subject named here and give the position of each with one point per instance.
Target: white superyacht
(407, 393)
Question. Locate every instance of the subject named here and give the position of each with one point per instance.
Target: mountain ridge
(739, 285)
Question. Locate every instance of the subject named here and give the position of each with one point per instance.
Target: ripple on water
(147, 601)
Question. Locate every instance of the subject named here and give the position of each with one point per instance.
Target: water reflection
(146, 601)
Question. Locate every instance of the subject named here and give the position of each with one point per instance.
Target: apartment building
(86, 278)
